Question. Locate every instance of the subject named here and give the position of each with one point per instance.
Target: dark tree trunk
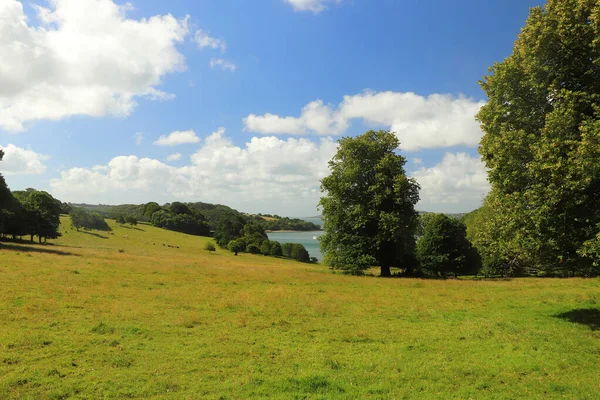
(385, 271)
(40, 239)
(31, 238)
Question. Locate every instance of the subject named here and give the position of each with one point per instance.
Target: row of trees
(541, 146)
(236, 233)
(87, 220)
(28, 213)
(277, 223)
(177, 217)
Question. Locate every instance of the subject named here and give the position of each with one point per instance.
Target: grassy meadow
(101, 315)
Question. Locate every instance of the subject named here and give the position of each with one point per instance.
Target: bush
(210, 247)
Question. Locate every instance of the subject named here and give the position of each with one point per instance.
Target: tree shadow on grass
(95, 235)
(35, 249)
(583, 316)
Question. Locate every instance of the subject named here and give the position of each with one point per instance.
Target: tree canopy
(542, 143)
(368, 206)
(444, 248)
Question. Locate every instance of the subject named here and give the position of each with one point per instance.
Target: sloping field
(103, 316)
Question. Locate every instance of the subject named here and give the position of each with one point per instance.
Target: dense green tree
(120, 219)
(300, 253)
(228, 227)
(81, 218)
(131, 220)
(41, 213)
(265, 247)
(444, 248)
(150, 208)
(192, 224)
(368, 206)
(236, 246)
(542, 142)
(180, 208)
(252, 249)
(286, 249)
(276, 250)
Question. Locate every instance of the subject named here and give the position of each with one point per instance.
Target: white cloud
(457, 184)
(177, 138)
(420, 122)
(139, 138)
(174, 157)
(86, 58)
(203, 40)
(315, 6)
(222, 64)
(253, 177)
(19, 161)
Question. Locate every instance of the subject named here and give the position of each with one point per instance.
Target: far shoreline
(292, 231)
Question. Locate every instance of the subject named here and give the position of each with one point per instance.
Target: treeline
(196, 218)
(277, 223)
(28, 213)
(87, 220)
(237, 233)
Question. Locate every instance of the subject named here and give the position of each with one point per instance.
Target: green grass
(103, 316)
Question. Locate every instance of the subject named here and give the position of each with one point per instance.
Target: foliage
(228, 227)
(131, 220)
(542, 142)
(265, 248)
(190, 223)
(86, 220)
(277, 223)
(39, 214)
(210, 247)
(275, 249)
(299, 253)
(236, 246)
(150, 209)
(252, 249)
(444, 248)
(368, 206)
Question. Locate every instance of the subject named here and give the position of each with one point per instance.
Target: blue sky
(250, 96)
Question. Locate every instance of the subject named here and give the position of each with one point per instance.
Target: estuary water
(308, 239)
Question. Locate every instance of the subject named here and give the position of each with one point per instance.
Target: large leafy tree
(41, 213)
(368, 206)
(542, 140)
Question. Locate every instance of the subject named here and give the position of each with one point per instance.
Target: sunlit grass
(99, 315)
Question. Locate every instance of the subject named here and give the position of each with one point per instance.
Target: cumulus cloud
(457, 184)
(177, 138)
(203, 40)
(19, 161)
(222, 64)
(86, 58)
(314, 6)
(174, 157)
(434, 121)
(253, 177)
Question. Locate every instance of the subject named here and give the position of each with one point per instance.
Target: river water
(308, 239)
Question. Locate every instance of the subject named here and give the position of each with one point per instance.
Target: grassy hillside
(98, 315)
